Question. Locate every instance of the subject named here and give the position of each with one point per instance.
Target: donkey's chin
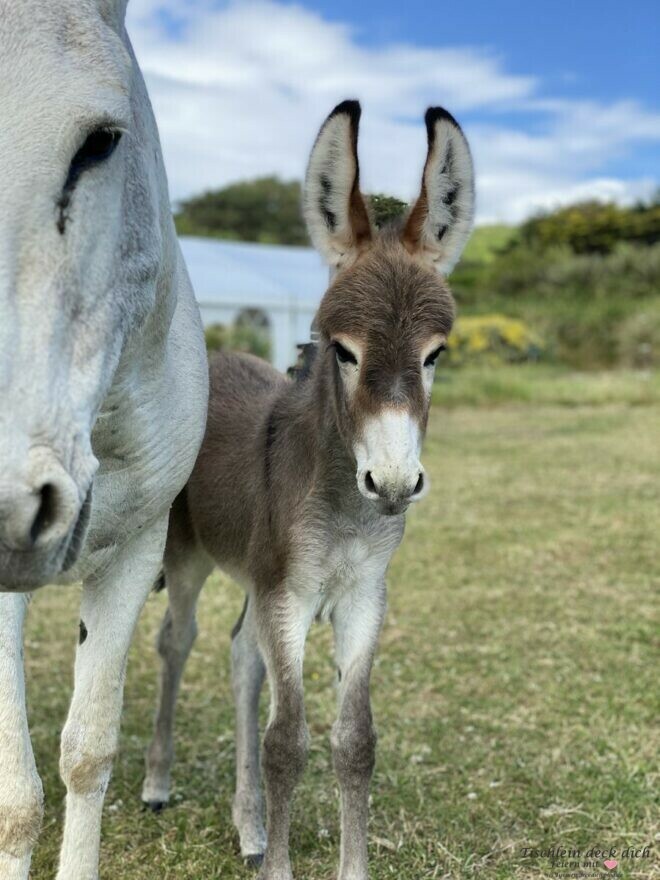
(391, 508)
(23, 572)
(29, 570)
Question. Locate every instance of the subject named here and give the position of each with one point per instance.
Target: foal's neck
(315, 420)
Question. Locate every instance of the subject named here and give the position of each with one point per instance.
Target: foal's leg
(110, 608)
(357, 621)
(185, 579)
(283, 622)
(247, 673)
(21, 794)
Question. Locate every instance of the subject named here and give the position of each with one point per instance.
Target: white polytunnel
(284, 283)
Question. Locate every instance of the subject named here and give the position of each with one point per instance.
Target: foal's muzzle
(389, 472)
(43, 521)
(392, 493)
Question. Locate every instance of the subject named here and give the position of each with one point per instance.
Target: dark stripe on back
(270, 440)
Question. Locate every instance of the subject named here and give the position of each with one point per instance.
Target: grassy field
(544, 385)
(516, 686)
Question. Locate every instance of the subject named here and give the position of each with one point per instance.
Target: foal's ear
(440, 223)
(335, 211)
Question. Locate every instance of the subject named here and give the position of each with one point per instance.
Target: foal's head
(388, 311)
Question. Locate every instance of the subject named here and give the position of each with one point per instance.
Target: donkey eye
(98, 147)
(344, 356)
(435, 354)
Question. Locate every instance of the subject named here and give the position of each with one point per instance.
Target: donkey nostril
(419, 485)
(369, 483)
(46, 513)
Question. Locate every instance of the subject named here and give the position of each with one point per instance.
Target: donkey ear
(113, 11)
(440, 223)
(335, 211)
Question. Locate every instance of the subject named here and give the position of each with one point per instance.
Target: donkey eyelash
(432, 358)
(98, 146)
(344, 356)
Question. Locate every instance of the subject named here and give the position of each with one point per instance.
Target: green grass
(538, 384)
(515, 685)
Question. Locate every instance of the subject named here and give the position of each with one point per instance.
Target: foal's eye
(344, 356)
(99, 146)
(435, 354)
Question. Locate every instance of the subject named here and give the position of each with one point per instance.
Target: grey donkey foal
(300, 488)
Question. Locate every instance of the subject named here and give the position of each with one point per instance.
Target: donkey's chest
(331, 562)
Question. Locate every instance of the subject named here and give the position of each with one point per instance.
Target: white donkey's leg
(109, 611)
(247, 674)
(21, 795)
(184, 580)
(357, 621)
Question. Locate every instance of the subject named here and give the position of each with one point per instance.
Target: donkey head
(80, 253)
(388, 311)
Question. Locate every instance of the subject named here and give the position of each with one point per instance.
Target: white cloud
(241, 90)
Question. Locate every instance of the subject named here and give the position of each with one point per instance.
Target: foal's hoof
(154, 806)
(253, 861)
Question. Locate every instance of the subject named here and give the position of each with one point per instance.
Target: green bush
(384, 209)
(639, 338)
(594, 227)
(578, 303)
(629, 271)
(241, 337)
(266, 210)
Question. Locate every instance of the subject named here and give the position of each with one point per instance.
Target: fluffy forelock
(387, 295)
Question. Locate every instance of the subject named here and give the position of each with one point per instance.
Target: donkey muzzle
(43, 518)
(389, 472)
(393, 492)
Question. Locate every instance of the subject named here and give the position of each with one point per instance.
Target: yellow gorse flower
(493, 337)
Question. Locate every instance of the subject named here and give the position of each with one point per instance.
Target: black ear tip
(350, 108)
(438, 114)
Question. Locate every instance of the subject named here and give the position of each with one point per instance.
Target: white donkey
(103, 385)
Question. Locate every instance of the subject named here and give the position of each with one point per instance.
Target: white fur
(21, 795)
(332, 159)
(103, 381)
(428, 370)
(440, 178)
(248, 673)
(339, 574)
(342, 560)
(350, 373)
(389, 448)
(110, 608)
(357, 619)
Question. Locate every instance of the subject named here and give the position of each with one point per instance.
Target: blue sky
(602, 50)
(560, 100)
